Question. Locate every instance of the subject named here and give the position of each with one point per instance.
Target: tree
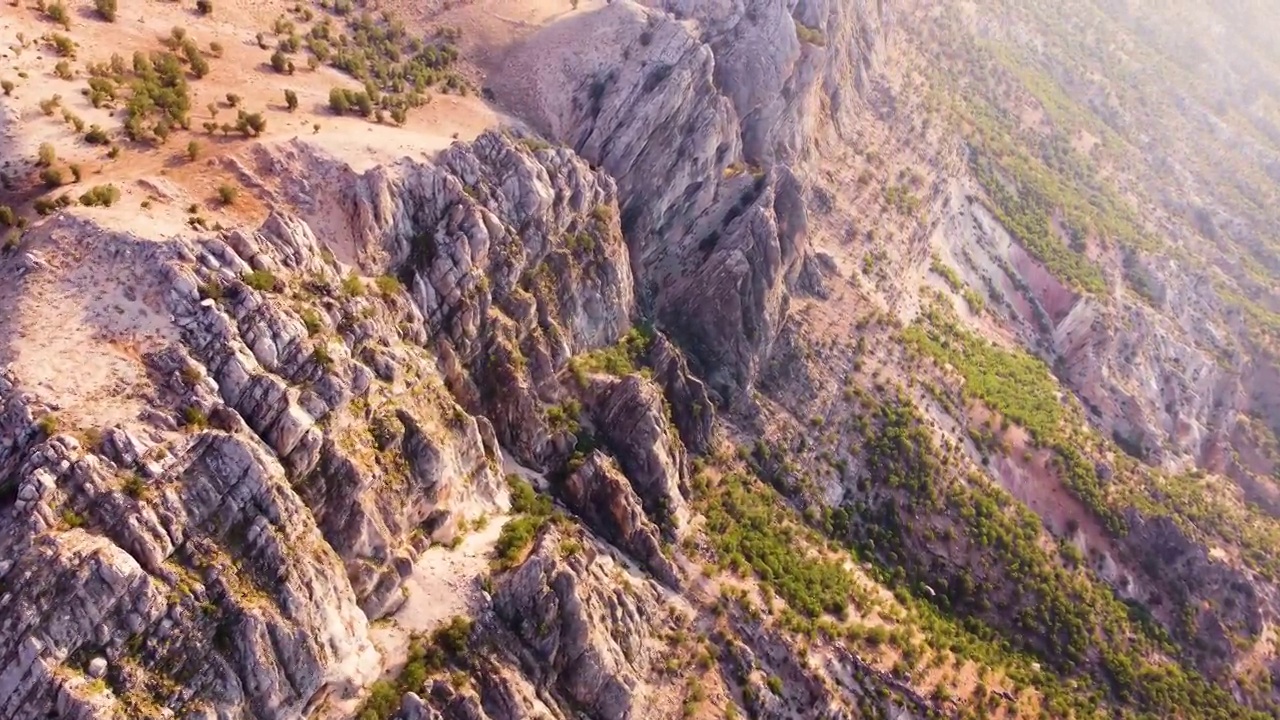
(291, 100)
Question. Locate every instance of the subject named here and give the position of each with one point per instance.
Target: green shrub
(193, 150)
(46, 155)
(8, 218)
(101, 195)
(291, 100)
(106, 9)
(194, 418)
(63, 45)
(97, 136)
(250, 124)
(515, 538)
(353, 286)
(57, 12)
(228, 193)
(53, 177)
(312, 322)
(72, 519)
(48, 424)
(338, 102)
(387, 285)
(63, 70)
(322, 357)
(279, 61)
(261, 280)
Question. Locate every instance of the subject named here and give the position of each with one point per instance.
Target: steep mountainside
(828, 359)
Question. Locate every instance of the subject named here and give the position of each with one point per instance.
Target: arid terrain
(491, 360)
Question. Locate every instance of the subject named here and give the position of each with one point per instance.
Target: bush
(8, 218)
(279, 61)
(63, 45)
(516, 537)
(204, 7)
(215, 47)
(77, 173)
(353, 286)
(97, 136)
(47, 155)
(53, 177)
(199, 65)
(73, 120)
(48, 424)
(338, 101)
(228, 193)
(251, 124)
(57, 12)
(260, 280)
(106, 9)
(7, 86)
(291, 100)
(193, 151)
(63, 70)
(101, 195)
(387, 285)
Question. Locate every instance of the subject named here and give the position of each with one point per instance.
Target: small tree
(233, 99)
(7, 86)
(106, 9)
(291, 100)
(279, 62)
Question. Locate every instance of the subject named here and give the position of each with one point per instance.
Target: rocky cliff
(305, 442)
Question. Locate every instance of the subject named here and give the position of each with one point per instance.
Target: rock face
(679, 113)
(629, 414)
(232, 569)
(602, 497)
(515, 261)
(588, 634)
(212, 576)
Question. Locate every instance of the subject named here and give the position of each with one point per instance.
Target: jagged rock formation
(599, 494)
(239, 563)
(630, 416)
(677, 111)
